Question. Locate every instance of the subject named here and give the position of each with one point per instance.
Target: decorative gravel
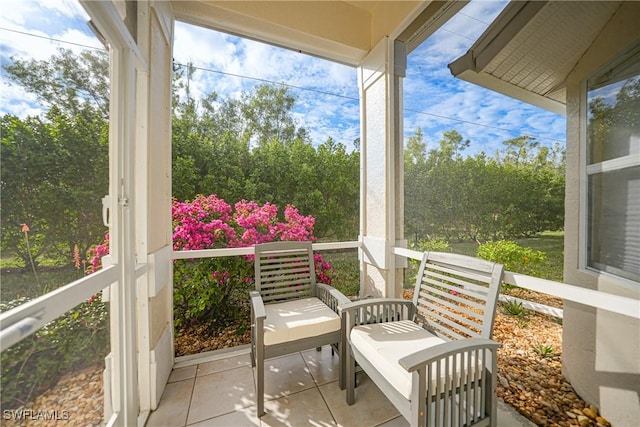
(76, 400)
(529, 372)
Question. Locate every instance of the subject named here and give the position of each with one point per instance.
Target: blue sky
(326, 92)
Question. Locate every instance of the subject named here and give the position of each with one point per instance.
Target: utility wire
(52, 39)
(457, 34)
(268, 81)
(474, 18)
(480, 124)
(296, 87)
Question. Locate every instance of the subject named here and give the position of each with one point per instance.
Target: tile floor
(300, 389)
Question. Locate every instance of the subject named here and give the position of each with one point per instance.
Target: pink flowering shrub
(216, 289)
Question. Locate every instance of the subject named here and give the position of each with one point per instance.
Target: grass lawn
(23, 283)
(347, 277)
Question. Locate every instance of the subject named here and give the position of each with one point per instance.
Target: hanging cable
(351, 98)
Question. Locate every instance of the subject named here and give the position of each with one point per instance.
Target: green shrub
(215, 291)
(514, 257)
(346, 270)
(430, 245)
(78, 339)
(211, 290)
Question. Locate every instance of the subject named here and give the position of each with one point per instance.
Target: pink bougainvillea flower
(209, 222)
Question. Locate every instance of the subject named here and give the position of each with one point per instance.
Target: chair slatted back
(456, 295)
(284, 271)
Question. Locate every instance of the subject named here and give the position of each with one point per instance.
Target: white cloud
(64, 8)
(311, 80)
(443, 102)
(36, 30)
(14, 100)
(229, 65)
(203, 47)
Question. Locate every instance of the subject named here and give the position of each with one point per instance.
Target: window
(613, 169)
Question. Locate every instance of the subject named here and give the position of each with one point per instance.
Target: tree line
(518, 192)
(55, 165)
(252, 148)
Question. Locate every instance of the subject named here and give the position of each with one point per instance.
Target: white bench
(432, 357)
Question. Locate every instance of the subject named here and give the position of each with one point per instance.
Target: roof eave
(461, 69)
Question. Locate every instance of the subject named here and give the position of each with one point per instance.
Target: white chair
(290, 312)
(432, 357)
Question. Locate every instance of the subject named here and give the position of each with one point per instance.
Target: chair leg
(260, 381)
(350, 375)
(343, 365)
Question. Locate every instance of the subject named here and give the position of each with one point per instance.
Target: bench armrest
(424, 357)
(331, 296)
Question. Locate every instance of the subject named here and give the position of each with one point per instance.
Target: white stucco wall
(379, 78)
(601, 349)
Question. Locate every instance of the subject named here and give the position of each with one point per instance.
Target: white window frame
(587, 170)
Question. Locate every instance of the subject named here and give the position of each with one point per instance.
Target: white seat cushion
(384, 344)
(297, 319)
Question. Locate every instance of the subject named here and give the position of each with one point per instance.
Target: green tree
(54, 167)
(54, 174)
(67, 80)
(450, 147)
(448, 196)
(251, 148)
(519, 149)
(338, 177)
(209, 153)
(267, 114)
(415, 169)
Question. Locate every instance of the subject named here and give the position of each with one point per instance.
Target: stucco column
(381, 193)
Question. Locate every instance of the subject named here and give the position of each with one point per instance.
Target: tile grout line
(218, 372)
(333, 417)
(195, 378)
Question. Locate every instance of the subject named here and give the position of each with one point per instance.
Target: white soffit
(531, 47)
(336, 30)
(342, 31)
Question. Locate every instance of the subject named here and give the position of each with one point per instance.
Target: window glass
(613, 169)
(614, 222)
(614, 120)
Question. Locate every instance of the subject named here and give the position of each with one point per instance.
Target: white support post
(153, 202)
(127, 320)
(380, 80)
